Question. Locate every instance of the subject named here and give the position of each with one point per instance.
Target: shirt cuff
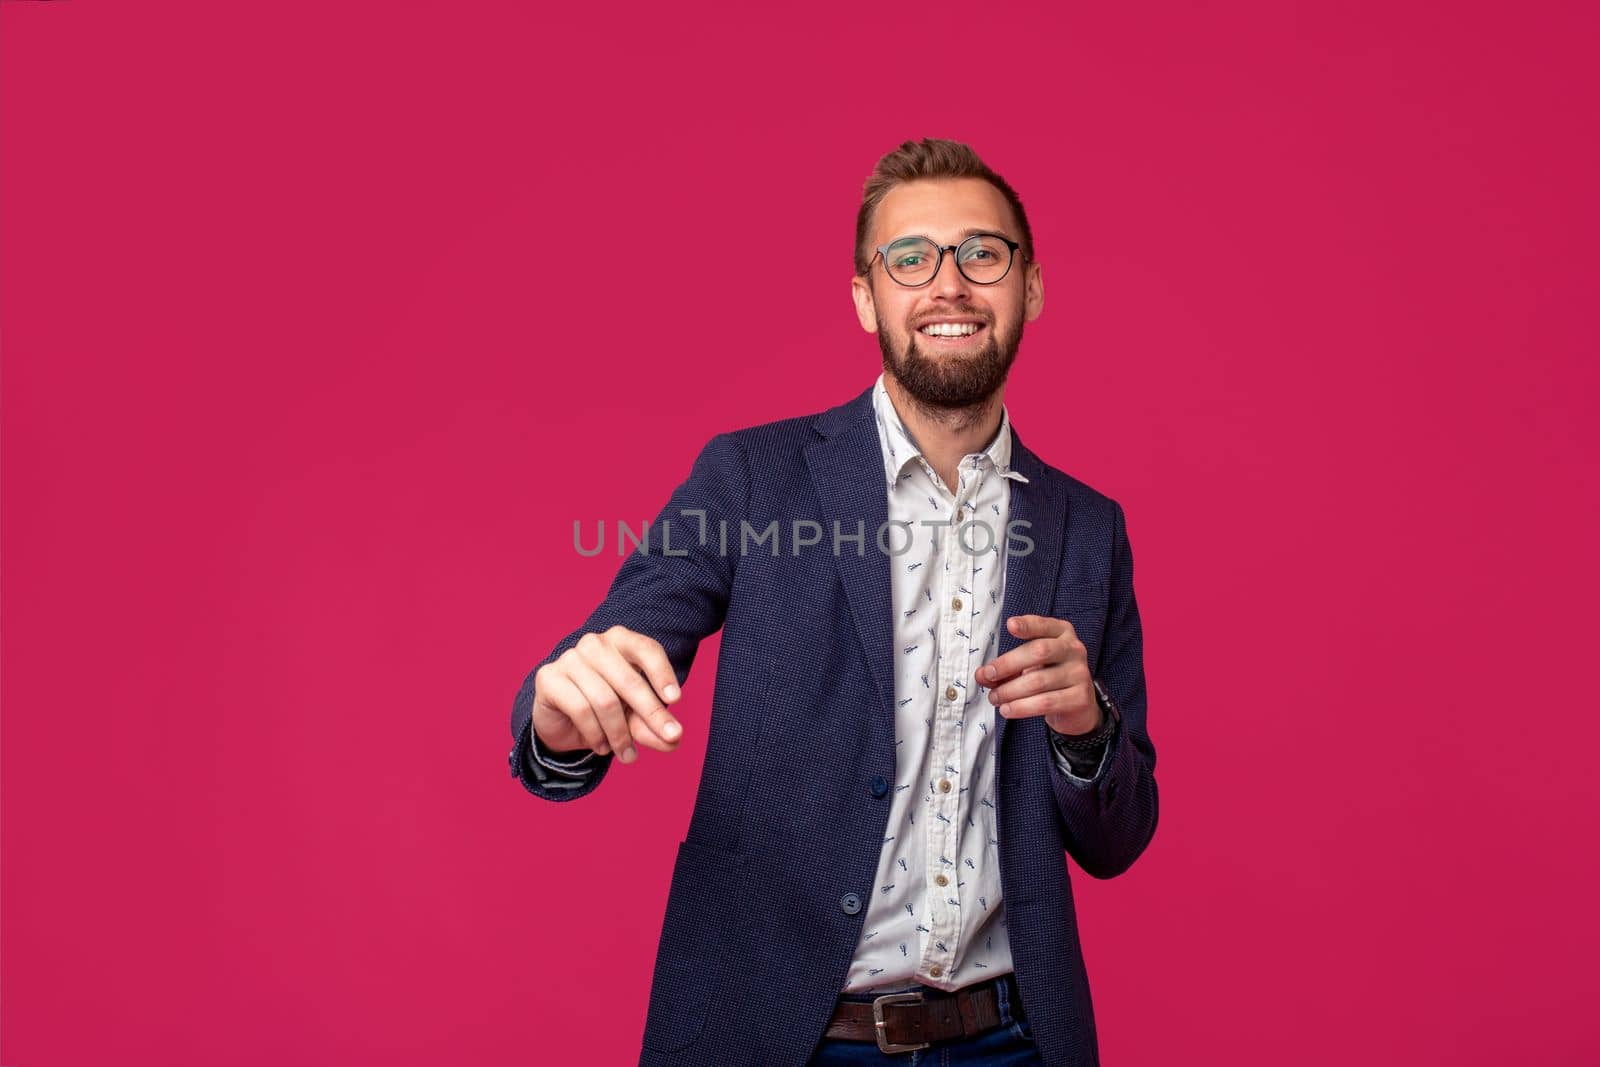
(562, 771)
(551, 760)
(1082, 765)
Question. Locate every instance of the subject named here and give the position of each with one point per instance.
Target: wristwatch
(1094, 740)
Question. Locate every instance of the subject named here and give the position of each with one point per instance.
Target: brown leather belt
(904, 1022)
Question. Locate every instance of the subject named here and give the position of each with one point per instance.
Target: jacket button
(880, 786)
(850, 903)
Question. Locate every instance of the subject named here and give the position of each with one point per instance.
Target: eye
(983, 251)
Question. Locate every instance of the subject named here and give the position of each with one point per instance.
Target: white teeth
(950, 329)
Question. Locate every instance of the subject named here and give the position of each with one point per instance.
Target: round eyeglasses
(983, 259)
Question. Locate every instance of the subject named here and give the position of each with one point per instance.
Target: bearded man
(921, 705)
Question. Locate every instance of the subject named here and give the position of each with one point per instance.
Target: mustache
(960, 312)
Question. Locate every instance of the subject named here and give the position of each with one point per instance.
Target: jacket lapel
(847, 471)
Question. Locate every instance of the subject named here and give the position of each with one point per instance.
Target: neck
(945, 435)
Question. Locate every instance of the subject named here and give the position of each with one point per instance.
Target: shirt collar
(899, 447)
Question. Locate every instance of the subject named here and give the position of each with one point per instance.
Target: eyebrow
(970, 231)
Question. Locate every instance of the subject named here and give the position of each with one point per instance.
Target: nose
(948, 281)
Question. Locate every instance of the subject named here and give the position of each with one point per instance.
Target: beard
(951, 381)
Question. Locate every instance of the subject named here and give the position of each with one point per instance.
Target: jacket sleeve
(674, 588)
(1108, 820)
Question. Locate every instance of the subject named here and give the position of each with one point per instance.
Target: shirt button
(850, 904)
(941, 880)
(956, 603)
(949, 692)
(936, 970)
(944, 785)
(880, 786)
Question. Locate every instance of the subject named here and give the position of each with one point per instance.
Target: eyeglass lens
(982, 258)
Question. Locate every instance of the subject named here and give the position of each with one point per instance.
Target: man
(924, 699)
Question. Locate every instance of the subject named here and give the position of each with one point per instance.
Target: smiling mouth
(950, 332)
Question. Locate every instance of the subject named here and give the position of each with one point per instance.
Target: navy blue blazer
(766, 904)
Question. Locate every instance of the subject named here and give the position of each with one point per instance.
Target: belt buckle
(880, 1028)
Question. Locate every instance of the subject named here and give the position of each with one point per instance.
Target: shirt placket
(953, 580)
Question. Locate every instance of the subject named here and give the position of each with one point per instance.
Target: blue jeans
(1010, 1044)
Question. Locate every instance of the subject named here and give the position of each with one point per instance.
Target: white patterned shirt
(936, 916)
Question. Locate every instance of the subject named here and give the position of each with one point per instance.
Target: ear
(1033, 296)
(866, 311)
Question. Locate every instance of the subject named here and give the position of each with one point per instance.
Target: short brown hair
(931, 157)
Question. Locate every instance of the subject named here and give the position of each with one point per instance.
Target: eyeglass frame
(882, 252)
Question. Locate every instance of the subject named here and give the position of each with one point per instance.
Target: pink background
(323, 322)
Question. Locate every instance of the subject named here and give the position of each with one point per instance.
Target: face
(941, 371)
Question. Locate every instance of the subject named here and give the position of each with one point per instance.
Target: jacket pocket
(693, 948)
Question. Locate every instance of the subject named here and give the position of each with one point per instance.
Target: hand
(607, 693)
(1048, 674)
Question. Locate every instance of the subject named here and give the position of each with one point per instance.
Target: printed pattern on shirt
(938, 918)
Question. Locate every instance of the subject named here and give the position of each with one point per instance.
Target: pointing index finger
(1038, 626)
(1027, 656)
(647, 654)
